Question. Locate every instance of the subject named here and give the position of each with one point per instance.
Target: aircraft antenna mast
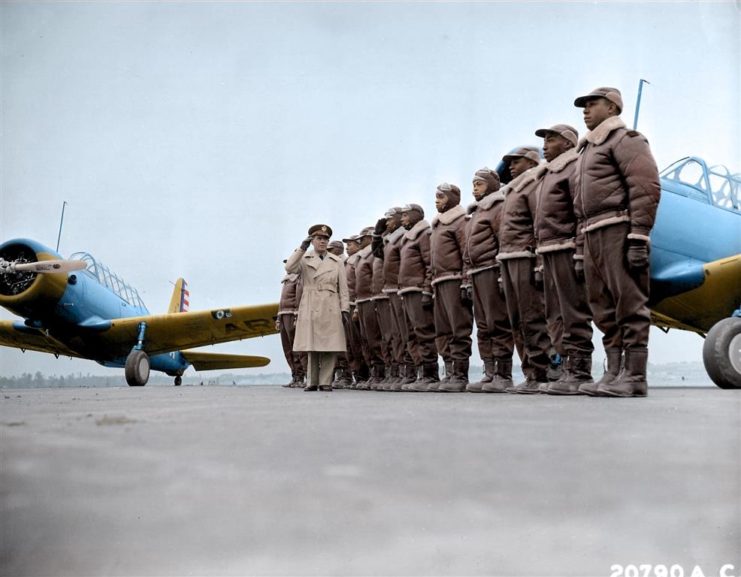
(638, 102)
(61, 222)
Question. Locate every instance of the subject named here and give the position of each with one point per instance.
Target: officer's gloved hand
(637, 254)
(467, 295)
(345, 318)
(538, 279)
(426, 301)
(380, 227)
(579, 270)
(306, 243)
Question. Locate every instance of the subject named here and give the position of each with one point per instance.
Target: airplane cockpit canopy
(712, 185)
(109, 279)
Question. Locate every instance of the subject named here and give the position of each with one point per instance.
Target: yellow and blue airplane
(696, 262)
(79, 308)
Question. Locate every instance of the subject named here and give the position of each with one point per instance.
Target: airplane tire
(137, 369)
(178, 381)
(721, 353)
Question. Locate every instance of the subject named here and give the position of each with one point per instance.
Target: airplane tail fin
(180, 300)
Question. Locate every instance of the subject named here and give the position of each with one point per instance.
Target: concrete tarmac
(262, 480)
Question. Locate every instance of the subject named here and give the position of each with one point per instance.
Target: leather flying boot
(430, 378)
(392, 377)
(337, 376)
(502, 376)
(364, 384)
(345, 379)
(487, 378)
(458, 381)
(532, 384)
(578, 372)
(409, 373)
(614, 359)
(290, 385)
(632, 381)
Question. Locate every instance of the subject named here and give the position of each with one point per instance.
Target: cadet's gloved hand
(277, 324)
(637, 254)
(426, 301)
(500, 285)
(345, 318)
(306, 243)
(579, 270)
(467, 295)
(380, 227)
(538, 279)
(355, 315)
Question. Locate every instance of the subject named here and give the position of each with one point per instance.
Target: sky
(202, 139)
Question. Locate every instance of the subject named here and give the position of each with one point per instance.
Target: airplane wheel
(721, 353)
(137, 369)
(178, 381)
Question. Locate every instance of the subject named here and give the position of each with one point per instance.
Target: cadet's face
(406, 222)
(441, 201)
(352, 247)
(392, 224)
(520, 165)
(479, 189)
(554, 145)
(320, 242)
(597, 110)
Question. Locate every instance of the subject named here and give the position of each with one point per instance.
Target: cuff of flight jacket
(638, 235)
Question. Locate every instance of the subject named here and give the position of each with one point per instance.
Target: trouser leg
(327, 361)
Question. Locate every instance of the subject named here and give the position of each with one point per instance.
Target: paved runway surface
(271, 481)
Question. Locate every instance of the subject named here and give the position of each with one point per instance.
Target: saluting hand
(306, 243)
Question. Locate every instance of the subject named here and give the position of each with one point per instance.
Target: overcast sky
(202, 139)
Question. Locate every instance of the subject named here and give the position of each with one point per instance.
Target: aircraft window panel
(692, 172)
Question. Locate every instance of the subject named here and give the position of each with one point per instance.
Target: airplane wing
(16, 335)
(177, 331)
(212, 361)
(716, 296)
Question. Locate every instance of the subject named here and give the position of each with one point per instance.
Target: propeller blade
(44, 266)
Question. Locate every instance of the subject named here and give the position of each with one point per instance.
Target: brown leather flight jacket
(377, 284)
(290, 294)
(350, 263)
(616, 180)
(415, 273)
(364, 275)
(482, 238)
(392, 260)
(555, 219)
(447, 244)
(517, 229)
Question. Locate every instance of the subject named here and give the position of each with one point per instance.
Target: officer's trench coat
(319, 324)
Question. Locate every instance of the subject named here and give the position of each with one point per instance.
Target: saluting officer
(324, 308)
(617, 194)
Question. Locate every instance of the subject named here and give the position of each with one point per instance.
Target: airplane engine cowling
(29, 294)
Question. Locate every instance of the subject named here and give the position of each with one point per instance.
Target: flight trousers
(297, 361)
(453, 320)
(423, 326)
(493, 330)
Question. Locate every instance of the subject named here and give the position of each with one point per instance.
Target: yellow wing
(700, 308)
(177, 331)
(32, 340)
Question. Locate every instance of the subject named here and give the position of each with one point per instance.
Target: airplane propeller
(42, 267)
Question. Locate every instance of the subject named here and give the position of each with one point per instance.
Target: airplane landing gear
(137, 368)
(721, 353)
(178, 381)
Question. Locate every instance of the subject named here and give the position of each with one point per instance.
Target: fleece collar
(394, 236)
(449, 216)
(563, 160)
(603, 131)
(528, 177)
(490, 199)
(416, 230)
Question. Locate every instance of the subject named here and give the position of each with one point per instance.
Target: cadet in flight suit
(365, 308)
(453, 314)
(555, 228)
(290, 297)
(493, 329)
(617, 194)
(342, 372)
(355, 354)
(517, 254)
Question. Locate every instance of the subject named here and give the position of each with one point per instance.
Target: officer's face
(520, 165)
(554, 145)
(320, 242)
(597, 110)
(479, 189)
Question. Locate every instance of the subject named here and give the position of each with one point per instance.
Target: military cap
(352, 238)
(451, 191)
(611, 94)
(393, 211)
(336, 245)
(367, 231)
(568, 132)
(320, 229)
(530, 152)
